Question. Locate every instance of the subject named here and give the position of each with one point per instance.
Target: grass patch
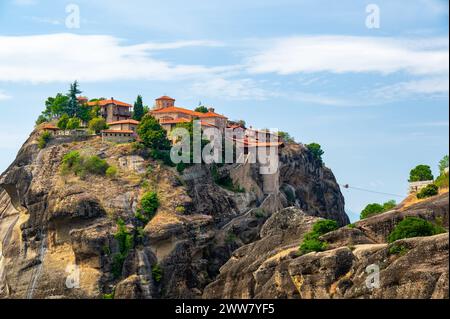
(397, 249)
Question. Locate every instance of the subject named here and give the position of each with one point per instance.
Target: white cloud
(4, 96)
(65, 57)
(340, 54)
(432, 86)
(230, 89)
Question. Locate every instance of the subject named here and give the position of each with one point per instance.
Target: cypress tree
(138, 109)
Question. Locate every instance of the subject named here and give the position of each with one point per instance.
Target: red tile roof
(175, 109)
(174, 121)
(165, 97)
(119, 131)
(212, 114)
(106, 102)
(125, 122)
(49, 126)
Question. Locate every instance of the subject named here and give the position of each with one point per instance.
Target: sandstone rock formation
(272, 267)
(57, 232)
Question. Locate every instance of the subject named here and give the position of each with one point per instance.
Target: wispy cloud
(65, 57)
(345, 54)
(433, 86)
(231, 89)
(4, 96)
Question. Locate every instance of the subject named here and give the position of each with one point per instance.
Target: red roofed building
(113, 110)
(170, 115)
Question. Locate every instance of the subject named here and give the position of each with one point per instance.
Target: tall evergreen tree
(138, 109)
(73, 106)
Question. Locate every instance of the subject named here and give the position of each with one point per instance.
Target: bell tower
(163, 102)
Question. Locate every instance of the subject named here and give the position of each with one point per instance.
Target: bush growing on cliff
(316, 151)
(375, 208)
(111, 172)
(80, 165)
(73, 123)
(428, 191)
(41, 119)
(157, 272)
(44, 139)
(125, 241)
(414, 227)
(311, 241)
(442, 181)
(62, 123)
(149, 204)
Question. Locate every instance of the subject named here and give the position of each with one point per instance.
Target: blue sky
(376, 99)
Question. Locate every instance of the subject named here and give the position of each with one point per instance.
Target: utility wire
(370, 191)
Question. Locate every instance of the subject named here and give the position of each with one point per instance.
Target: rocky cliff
(58, 231)
(272, 267)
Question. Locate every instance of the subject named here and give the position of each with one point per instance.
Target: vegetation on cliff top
(311, 241)
(414, 227)
(375, 208)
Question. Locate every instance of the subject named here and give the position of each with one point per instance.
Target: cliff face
(271, 267)
(57, 232)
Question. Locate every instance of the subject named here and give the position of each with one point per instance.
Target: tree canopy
(152, 133)
(316, 151)
(443, 164)
(201, 109)
(375, 208)
(138, 110)
(420, 173)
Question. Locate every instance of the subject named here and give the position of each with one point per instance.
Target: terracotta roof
(118, 131)
(106, 102)
(124, 122)
(175, 109)
(165, 97)
(212, 114)
(174, 121)
(49, 127)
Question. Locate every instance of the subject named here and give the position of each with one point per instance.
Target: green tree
(421, 173)
(316, 151)
(389, 205)
(56, 106)
(443, 164)
(414, 227)
(44, 139)
(285, 136)
(370, 210)
(63, 120)
(201, 109)
(152, 133)
(41, 119)
(375, 208)
(73, 123)
(428, 191)
(138, 110)
(97, 124)
(73, 106)
(149, 204)
(311, 241)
